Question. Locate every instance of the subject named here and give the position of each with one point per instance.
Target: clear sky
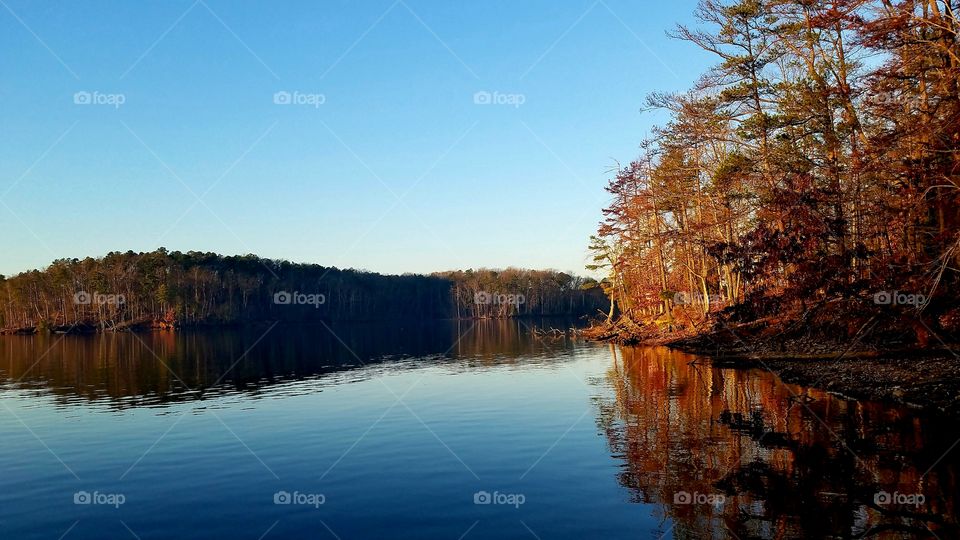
(346, 133)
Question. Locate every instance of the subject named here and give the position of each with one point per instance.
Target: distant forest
(170, 289)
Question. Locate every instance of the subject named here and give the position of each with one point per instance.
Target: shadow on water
(151, 369)
(738, 454)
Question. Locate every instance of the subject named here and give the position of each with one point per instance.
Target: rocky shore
(899, 359)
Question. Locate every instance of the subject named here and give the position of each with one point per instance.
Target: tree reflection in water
(738, 454)
(124, 370)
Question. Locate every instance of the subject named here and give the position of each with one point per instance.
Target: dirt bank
(897, 357)
(929, 383)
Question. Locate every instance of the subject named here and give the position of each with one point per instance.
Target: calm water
(397, 432)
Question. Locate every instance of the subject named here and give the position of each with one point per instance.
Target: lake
(454, 430)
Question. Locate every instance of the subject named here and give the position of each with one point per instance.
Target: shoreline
(929, 382)
(147, 326)
(924, 379)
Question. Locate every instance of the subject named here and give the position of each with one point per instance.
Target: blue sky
(134, 125)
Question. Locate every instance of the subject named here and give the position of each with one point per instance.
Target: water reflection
(151, 369)
(779, 463)
(718, 453)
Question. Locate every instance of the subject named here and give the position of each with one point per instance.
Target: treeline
(504, 293)
(817, 159)
(169, 289)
